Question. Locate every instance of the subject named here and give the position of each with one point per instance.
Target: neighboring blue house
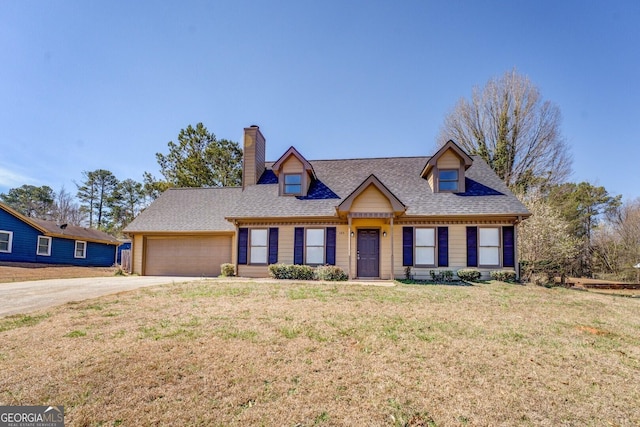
(24, 239)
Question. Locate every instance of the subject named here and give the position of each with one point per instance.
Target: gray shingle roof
(188, 209)
(205, 209)
(75, 232)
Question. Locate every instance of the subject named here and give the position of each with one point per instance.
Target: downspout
(392, 262)
(349, 248)
(515, 244)
(236, 237)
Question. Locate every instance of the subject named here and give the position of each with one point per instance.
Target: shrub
(291, 272)
(469, 275)
(503, 275)
(441, 276)
(407, 273)
(330, 272)
(227, 270)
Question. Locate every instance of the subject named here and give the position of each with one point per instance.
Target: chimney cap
(254, 126)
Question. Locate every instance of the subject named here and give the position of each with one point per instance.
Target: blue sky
(88, 85)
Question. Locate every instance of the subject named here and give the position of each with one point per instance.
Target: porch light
(384, 234)
(352, 234)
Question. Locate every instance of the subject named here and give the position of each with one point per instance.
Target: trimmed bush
(503, 275)
(330, 272)
(291, 272)
(227, 270)
(469, 275)
(438, 276)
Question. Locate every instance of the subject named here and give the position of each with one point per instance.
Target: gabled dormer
(446, 169)
(294, 173)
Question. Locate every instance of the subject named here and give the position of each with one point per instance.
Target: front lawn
(247, 353)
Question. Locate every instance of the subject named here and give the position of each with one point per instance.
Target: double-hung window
(44, 246)
(425, 247)
(489, 247)
(6, 237)
(448, 180)
(258, 246)
(315, 246)
(293, 183)
(80, 249)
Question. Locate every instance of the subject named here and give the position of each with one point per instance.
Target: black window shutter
(472, 246)
(508, 246)
(243, 241)
(298, 245)
(330, 246)
(407, 246)
(443, 246)
(273, 246)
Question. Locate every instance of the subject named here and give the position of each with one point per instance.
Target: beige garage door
(187, 256)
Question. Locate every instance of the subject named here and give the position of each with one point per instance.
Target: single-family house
(373, 217)
(24, 239)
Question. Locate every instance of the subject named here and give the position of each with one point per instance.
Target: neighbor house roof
(205, 209)
(65, 231)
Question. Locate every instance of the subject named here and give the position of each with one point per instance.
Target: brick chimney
(253, 156)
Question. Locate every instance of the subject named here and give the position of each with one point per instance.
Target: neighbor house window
(44, 246)
(293, 184)
(6, 237)
(489, 246)
(258, 246)
(81, 249)
(448, 180)
(315, 246)
(425, 246)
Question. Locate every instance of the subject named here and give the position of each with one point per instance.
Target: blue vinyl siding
(25, 242)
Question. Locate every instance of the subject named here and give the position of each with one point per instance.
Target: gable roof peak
(448, 146)
(292, 152)
(372, 180)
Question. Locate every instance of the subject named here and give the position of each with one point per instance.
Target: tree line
(102, 201)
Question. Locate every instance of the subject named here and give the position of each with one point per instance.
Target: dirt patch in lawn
(292, 354)
(20, 272)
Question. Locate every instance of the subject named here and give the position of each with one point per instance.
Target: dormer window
(293, 183)
(448, 180)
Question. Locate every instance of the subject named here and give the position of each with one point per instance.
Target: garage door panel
(187, 256)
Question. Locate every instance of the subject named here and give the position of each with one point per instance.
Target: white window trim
(48, 239)
(10, 241)
(498, 247)
(434, 247)
(307, 246)
(251, 246)
(75, 249)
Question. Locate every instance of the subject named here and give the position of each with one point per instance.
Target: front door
(368, 253)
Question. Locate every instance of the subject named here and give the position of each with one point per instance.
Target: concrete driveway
(24, 297)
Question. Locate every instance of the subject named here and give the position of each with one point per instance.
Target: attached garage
(186, 255)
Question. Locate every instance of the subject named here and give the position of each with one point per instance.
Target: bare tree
(616, 242)
(67, 210)
(513, 129)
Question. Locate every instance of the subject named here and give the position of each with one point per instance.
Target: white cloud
(11, 179)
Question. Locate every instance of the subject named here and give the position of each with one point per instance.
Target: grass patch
(233, 353)
(20, 321)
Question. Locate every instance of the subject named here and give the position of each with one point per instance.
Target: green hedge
(469, 275)
(306, 272)
(330, 273)
(503, 275)
(227, 270)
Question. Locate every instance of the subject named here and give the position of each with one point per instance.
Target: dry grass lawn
(239, 353)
